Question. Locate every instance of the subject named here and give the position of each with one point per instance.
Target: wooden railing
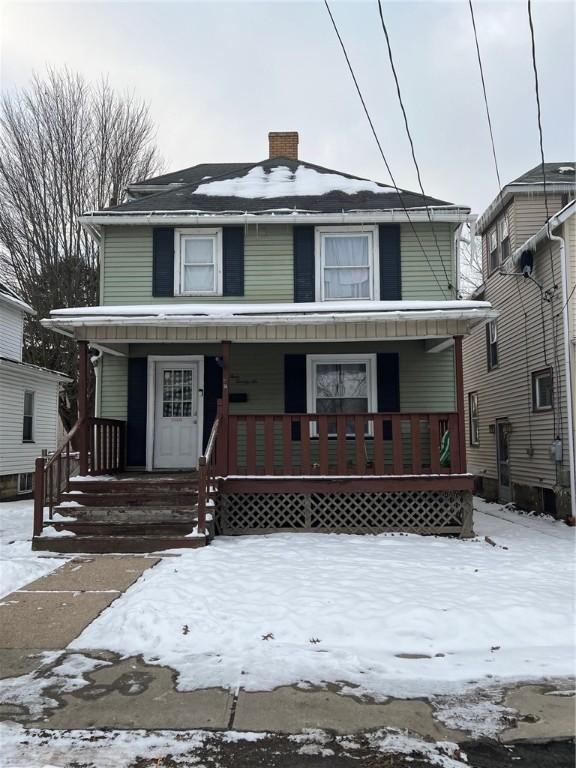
(105, 440)
(342, 444)
(208, 472)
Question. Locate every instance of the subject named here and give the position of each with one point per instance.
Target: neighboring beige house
(519, 377)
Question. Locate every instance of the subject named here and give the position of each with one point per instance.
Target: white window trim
(537, 406)
(373, 260)
(372, 385)
(179, 234)
(474, 421)
(33, 393)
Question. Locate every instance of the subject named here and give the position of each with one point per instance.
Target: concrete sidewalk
(108, 692)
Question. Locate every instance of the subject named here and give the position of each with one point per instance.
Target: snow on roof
(10, 296)
(281, 181)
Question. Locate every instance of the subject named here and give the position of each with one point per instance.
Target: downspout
(567, 371)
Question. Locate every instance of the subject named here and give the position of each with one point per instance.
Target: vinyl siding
(426, 380)
(11, 329)
(16, 456)
(268, 251)
(506, 392)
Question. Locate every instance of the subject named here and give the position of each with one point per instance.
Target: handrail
(207, 474)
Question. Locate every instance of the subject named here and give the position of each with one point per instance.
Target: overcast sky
(219, 75)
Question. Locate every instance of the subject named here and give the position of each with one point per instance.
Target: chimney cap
(283, 144)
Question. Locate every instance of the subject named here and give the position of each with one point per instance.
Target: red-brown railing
(208, 473)
(341, 444)
(105, 439)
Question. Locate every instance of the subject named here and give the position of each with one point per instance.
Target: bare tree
(66, 146)
(470, 262)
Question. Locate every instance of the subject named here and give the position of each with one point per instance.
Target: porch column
(223, 430)
(83, 405)
(459, 380)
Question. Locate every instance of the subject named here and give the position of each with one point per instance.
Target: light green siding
(426, 380)
(268, 264)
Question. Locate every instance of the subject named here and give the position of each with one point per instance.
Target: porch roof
(256, 322)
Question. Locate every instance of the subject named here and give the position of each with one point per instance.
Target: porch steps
(125, 515)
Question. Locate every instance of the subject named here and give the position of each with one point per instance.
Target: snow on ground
(388, 615)
(18, 564)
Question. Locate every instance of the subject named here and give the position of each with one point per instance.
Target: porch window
(542, 390)
(493, 249)
(199, 262)
(28, 418)
(346, 263)
(341, 384)
(492, 344)
(473, 418)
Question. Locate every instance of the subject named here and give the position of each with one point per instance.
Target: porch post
(83, 405)
(459, 380)
(223, 442)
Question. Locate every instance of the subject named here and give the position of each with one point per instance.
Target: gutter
(543, 234)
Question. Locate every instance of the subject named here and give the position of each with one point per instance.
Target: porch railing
(343, 444)
(105, 439)
(208, 472)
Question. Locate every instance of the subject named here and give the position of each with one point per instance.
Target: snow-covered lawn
(386, 615)
(18, 564)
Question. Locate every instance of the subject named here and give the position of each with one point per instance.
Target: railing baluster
(415, 443)
(287, 446)
(269, 445)
(453, 428)
(379, 467)
(435, 467)
(305, 454)
(359, 434)
(341, 458)
(397, 457)
(233, 445)
(323, 458)
(251, 444)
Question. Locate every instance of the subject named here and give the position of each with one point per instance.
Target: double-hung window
(198, 262)
(542, 390)
(492, 344)
(504, 239)
(28, 418)
(346, 263)
(473, 418)
(493, 249)
(341, 384)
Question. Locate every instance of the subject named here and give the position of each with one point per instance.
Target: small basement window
(473, 418)
(198, 262)
(542, 390)
(25, 482)
(28, 418)
(346, 263)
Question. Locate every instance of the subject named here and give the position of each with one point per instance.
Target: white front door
(176, 418)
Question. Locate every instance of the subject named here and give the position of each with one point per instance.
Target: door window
(177, 393)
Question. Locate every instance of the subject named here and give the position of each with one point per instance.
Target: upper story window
(492, 344)
(198, 262)
(473, 418)
(493, 249)
(346, 267)
(504, 239)
(28, 418)
(542, 390)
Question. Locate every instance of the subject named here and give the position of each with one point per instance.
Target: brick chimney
(283, 144)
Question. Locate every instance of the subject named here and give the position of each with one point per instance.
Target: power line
(373, 129)
(385, 30)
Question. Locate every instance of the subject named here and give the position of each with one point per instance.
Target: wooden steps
(144, 514)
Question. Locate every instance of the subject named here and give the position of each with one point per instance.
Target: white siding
(16, 456)
(11, 329)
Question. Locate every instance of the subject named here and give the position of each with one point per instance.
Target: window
(504, 240)
(199, 262)
(473, 418)
(346, 263)
(28, 420)
(542, 390)
(492, 344)
(493, 249)
(25, 482)
(341, 384)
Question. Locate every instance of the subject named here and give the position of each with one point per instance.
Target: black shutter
(212, 392)
(233, 261)
(388, 384)
(163, 261)
(137, 407)
(390, 262)
(304, 264)
(295, 388)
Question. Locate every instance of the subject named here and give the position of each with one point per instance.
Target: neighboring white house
(28, 402)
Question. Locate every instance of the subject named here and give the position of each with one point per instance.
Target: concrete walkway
(99, 690)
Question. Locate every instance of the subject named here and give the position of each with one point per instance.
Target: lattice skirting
(364, 512)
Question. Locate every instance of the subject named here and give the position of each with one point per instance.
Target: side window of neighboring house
(492, 344)
(542, 390)
(504, 239)
(198, 262)
(341, 384)
(28, 419)
(474, 419)
(347, 265)
(493, 249)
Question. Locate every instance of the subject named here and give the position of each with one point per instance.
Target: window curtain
(198, 264)
(346, 267)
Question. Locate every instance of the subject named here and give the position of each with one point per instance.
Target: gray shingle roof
(556, 173)
(193, 175)
(186, 197)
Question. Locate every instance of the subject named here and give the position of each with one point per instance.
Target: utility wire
(386, 35)
(373, 129)
(567, 301)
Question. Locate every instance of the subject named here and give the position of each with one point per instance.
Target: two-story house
(519, 370)
(293, 334)
(28, 402)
